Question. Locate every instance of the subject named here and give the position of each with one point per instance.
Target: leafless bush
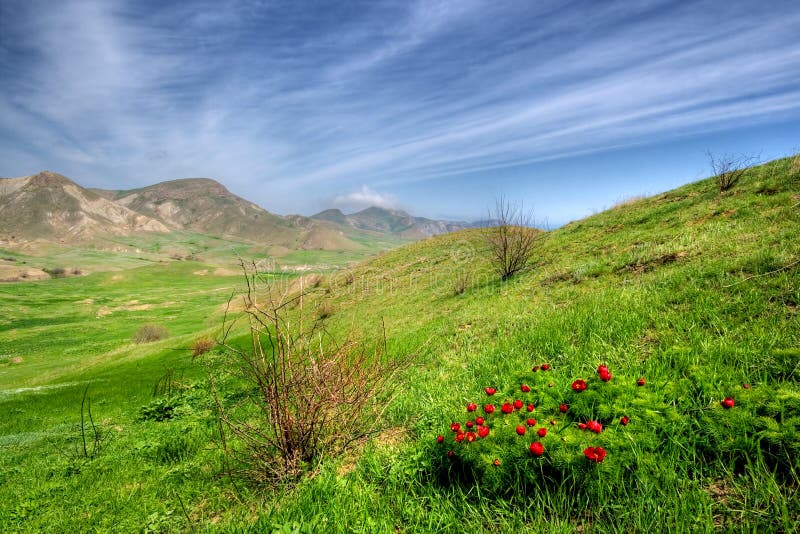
(304, 396)
(461, 282)
(147, 333)
(202, 345)
(324, 310)
(511, 239)
(729, 169)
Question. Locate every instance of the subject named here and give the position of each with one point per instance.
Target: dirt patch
(643, 266)
(389, 438)
(117, 278)
(130, 306)
(222, 271)
(201, 272)
(85, 301)
(16, 359)
(704, 218)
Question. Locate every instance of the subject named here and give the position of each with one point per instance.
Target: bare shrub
(511, 239)
(202, 345)
(729, 169)
(324, 310)
(303, 395)
(148, 333)
(461, 282)
(56, 272)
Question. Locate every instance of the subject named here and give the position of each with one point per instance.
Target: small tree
(511, 239)
(728, 169)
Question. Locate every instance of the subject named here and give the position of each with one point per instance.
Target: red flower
(595, 454)
(483, 431)
(521, 430)
(563, 408)
(624, 420)
(640, 382)
(579, 385)
(602, 369)
(455, 427)
(594, 426)
(545, 367)
(490, 391)
(531, 407)
(531, 422)
(460, 437)
(471, 437)
(518, 404)
(537, 449)
(440, 439)
(450, 454)
(535, 368)
(542, 432)
(489, 408)
(746, 386)
(479, 420)
(553, 422)
(506, 408)
(471, 407)
(470, 424)
(496, 462)
(525, 388)
(582, 426)
(728, 402)
(605, 377)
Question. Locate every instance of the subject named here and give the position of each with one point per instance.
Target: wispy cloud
(365, 197)
(279, 100)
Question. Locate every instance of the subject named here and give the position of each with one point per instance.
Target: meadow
(695, 290)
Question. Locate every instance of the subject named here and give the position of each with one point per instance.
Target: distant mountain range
(50, 207)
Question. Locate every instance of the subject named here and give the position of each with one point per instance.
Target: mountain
(205, 206)
(388, 221)
(51, 207)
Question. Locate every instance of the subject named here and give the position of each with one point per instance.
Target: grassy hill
(694, 290)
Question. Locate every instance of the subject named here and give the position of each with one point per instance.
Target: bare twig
(788, 266)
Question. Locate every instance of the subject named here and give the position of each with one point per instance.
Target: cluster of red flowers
(543, 367)
(604, 373)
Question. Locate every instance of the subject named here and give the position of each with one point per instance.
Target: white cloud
(364, 198)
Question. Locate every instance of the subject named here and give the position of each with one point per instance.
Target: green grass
(695, 290)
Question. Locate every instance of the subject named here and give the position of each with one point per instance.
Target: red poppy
(602, 369)
(624, 420)
(506, 408)
(440, 438)
(489, 408)
(521, 430)
(563, 408)
(483, 431)
(579, 385)
(605, 377)
(545, 367)
(455, 427)
(470, 424)
(525, 388)
(537, 449)
(450, 454)
(582, 426)
(595, 454)
(471, 407)
(490, 391)
(535, 368)
(460, 437)
(471, 437)
(531, 407)
(542, 432)
(531, 422)
(496, 462)
(518, 404)
(728, 402)
(640, 382)
(479, 420)
(594, 426)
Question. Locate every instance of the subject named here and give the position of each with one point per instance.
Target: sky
(435, 107)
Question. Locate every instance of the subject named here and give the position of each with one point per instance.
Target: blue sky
(436, 107)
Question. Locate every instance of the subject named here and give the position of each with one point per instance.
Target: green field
(695, 290)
